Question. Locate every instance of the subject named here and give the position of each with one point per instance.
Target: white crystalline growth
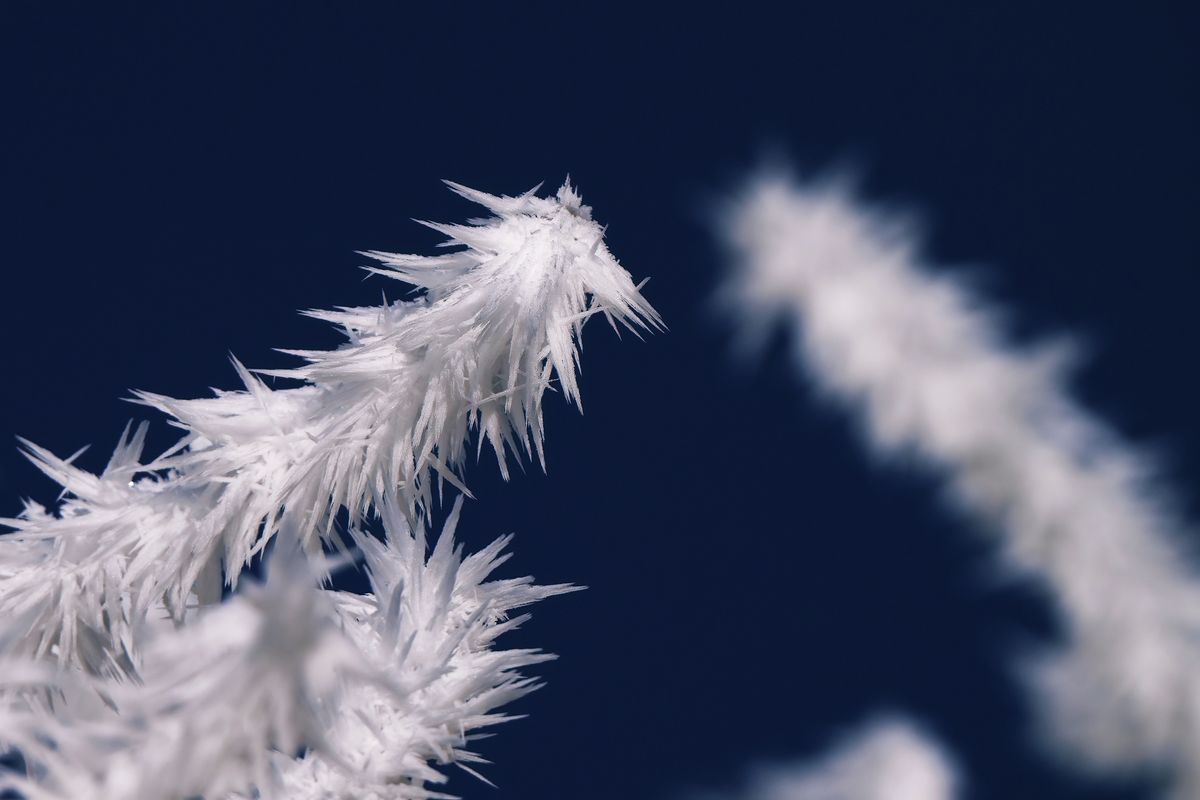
(429, 625)
(377, 689)
(392, 410)
(923, 363)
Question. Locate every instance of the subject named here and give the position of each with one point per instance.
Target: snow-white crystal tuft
(290, 691)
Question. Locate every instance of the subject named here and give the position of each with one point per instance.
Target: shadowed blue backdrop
(177, 179)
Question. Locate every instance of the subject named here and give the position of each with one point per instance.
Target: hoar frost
(103, 595)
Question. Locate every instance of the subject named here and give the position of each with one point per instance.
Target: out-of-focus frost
(926, 367)
(888, 759)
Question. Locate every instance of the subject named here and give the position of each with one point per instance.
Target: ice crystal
(124, 675)
(391, 410)
(370, 688)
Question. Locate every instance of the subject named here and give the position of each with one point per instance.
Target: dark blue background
(175, 181)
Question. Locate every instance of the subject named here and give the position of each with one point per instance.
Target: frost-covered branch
(372, 688)
(213, 699)
(392, 410)
(889, 758)
(927, 369)
(429, 625)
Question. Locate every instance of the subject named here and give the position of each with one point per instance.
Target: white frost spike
(216, 698)
(387, 411)
(380, 688)
(889, 759)
(925, 365)
(429, 625)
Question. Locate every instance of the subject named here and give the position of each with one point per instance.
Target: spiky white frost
(388, 411)
(429, 625)
(924, 364)
(889, 758)
(211, 701)
(374, 687)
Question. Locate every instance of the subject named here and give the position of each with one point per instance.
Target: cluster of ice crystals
(123, 674)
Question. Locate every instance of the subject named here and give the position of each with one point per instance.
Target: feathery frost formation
(123, 675)
(928, 371)
(428, 626)
(212, 699)
(887, 759)
(393, 408)
(373, 687)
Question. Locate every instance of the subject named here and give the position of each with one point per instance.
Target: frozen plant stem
(925, 367)
(372, 426)
(389, 410)
(375, 689)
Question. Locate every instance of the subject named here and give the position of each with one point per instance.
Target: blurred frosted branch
(889, 758)
(926, 368)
